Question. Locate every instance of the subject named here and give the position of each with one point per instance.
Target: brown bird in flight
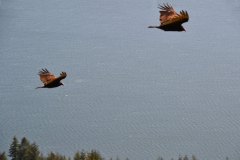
(49, 80)
(171, 20)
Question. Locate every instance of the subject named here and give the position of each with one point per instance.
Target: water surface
(131, 91)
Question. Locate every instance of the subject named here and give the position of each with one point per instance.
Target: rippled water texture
(131, 91)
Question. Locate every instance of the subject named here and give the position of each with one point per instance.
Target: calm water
(131, 91)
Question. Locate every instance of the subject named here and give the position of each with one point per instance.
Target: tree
(3, 156)
(160, 158)
(24, 149)
(33, 152)
(14, 149)
(180, 157)
(185, 157)
(194, 157)
(55, 156)
(80, 155)
(77, 156)
(94, 155)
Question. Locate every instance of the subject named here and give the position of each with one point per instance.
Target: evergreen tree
(42, 157)
(94, 155)
(180, 157)
(193, 157)
(185, 157)
(27, 151)
(77, 156)
(53, 156)
(3, 156)
(80, 155)
(24, 149)
(33, 152)
(14, 149)
(160, 158)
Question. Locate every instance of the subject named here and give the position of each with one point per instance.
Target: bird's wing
(62, 76)
(46, 76)
(178, 20)
(166, 13)
(183, 16)
(169, 16)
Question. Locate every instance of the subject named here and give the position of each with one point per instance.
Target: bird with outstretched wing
(49, 80)
(170, 20)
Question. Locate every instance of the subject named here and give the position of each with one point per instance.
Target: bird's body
(51, 85)
(170, 20)
(49, 80)
(169, 28)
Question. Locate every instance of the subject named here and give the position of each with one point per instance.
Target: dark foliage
(30, 151)
(3, 156)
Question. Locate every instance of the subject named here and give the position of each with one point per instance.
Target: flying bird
(49, 80)
(170, 20)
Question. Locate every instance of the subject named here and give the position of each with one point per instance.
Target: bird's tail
(39, 87)
(152, 26)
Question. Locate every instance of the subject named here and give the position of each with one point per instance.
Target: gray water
(131, 91)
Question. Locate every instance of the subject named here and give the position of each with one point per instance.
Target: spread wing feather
(62, 76)
(168, 15)
(46, 76)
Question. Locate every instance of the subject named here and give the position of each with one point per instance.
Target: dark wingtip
(63, 74)
(43, 71)
(165, 6)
